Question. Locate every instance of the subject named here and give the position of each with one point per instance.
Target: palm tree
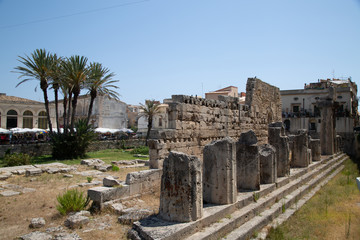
(37, 67)
(75, 72)
(150, 108)
(99, 82)
(56, 83)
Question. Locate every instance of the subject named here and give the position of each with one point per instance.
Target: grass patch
(333, 213)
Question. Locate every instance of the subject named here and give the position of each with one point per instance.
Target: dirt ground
(17, 211)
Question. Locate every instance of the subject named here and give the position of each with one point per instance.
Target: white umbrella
(4, 131)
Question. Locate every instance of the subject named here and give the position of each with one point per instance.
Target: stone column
(219, 174)
(247, 161)
(268, 167)
(314, 145)
(300, 150)
(278, 140)
(327, 130)
(181, 188)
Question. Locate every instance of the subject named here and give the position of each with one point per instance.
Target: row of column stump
(229, 167)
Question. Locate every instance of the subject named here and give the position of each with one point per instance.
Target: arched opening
(42, 122)
(11, 120)
(287, 124)
(28, 119)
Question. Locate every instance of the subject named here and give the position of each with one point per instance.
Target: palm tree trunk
(74, 103)
(90, 110)
(56, 109)
(64, 114)
(149, 129)
(69, 111)
(43, 87)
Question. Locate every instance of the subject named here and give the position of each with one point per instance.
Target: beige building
(160, 120)
(300, 111)
(22, 113)
(230, 91)
(106, 113)
(25, 113)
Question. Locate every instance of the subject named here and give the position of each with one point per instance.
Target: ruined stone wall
(195, 122)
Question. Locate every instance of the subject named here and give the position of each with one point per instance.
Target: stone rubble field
(28, 201)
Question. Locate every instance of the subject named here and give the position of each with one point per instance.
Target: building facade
(300, 109)
(106, 112)
(22, 113)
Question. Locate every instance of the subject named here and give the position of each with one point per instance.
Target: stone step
(285, 208)
(218, 220)
(244, 222)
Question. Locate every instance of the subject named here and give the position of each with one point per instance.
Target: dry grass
(17, 211)
(333, 213)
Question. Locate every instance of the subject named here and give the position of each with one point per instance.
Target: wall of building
(195, 122)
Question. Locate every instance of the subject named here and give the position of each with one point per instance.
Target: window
(42, 122)
(160, 122)
(28, 119)
(296, 108)
(313, 126)
(11, 120)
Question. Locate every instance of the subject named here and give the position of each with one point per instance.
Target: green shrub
(72, 145)
(115, 168)
(140, 150)
(72, 201)
(17, 159)
(89, 179)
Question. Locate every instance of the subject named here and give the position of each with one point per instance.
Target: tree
(75, 72)
(150, 108)
(56, 83)
(99, 82)
(37, 67)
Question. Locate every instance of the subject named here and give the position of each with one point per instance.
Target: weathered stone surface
(314, 145)
(102, 194)
(37, 223)
(5, 175)
(219, 175)
(248, 162)
(327, 130)
(280, 142)
(68, 175)
(36, 236)
(103, 168)
(300, 150)
(117, 208)
(9, 193)
(52, 170)
(92, 162)
(55, 229)
(268, 166)
(33, 172)
(66, 236)
(181, 188)
(77, 220)
(133, 215)
(110, 182)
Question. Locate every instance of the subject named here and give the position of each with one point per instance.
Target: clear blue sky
(158, 48)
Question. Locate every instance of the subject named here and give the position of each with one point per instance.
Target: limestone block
(268, 167)
(76, 221)
(314, 145)
(219, 174)
(9, 193)
(33, 172)
(181, 188)
(92, 162)
(102, 194)
(36, 236)
(277, 139)
(110, 182)
(37, 223)
(248, 162)
(300, 149)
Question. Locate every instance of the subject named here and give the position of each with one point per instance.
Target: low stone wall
(143, 182)
(38, 149)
